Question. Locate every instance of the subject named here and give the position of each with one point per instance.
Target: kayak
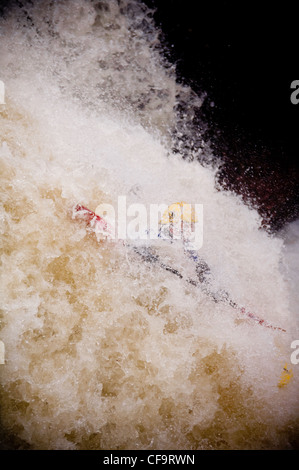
(99, 225)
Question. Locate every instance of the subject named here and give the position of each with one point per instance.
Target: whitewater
(102, 349)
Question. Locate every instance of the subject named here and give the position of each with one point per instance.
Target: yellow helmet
(179, 211)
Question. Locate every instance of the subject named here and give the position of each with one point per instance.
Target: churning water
(102, 349)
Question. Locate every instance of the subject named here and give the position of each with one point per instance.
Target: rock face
(243, 58)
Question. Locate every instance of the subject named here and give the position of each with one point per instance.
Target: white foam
(103, 350)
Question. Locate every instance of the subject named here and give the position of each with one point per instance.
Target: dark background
(245, 56)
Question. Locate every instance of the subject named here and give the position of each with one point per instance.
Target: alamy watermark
(295, 354)
(295, 94)
(2, 93)
(178, 221)
(2, 353)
